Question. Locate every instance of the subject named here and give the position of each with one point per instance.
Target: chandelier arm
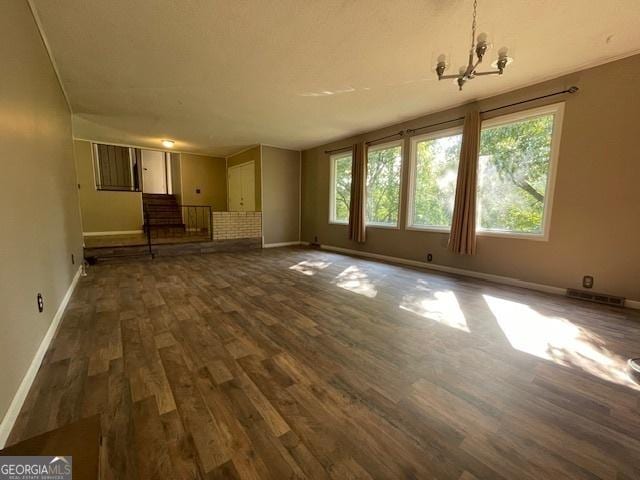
(492, 72)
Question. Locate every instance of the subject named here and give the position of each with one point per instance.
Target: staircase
(162, 212)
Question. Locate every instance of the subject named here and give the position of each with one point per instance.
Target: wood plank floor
(296, 363)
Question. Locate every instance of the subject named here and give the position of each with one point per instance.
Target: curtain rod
(409, 131)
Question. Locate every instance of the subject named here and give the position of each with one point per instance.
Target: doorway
(242, 188)
(154, 172)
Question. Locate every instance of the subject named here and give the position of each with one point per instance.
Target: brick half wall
(236, 225)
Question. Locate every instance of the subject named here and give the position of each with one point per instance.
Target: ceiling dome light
(168, 143)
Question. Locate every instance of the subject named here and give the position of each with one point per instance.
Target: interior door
(154, 172)
(241, 184)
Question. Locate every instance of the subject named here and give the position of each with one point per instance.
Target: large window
(340, 187)
(516, 172)
(434, 170)
(384, 171)
(116, 168)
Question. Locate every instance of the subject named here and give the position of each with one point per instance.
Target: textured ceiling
(218, 75)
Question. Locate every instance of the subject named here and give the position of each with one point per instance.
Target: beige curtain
(357, 213)
(463, 225)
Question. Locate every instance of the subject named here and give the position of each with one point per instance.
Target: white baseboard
(280, 244)
(635, 304)
(113, 232)
(21, 395)
(458, 271)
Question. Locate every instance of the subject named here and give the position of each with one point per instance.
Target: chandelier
(469, 72)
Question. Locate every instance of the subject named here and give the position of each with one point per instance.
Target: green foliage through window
(341, 165)
(434, 185)
(513, 171)
(384, 170)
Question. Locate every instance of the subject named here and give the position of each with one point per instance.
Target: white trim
(261, 195)
(413, 164)
(299, 195)
(47, 47)
(457, 271)
(384, 226)
(635, 304)
(332, 184)
(21, 394)
(112, 232)
(281, 244)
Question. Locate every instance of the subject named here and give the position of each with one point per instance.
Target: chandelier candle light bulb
(480, 49)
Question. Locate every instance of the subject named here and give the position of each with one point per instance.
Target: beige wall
(595, 222)
(209, 174)
(253, 154)
(38, 196)
(281, 195)
(104, 211)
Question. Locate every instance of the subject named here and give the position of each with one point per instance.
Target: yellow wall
(253, 154)
(38, 197)
(208, 174)
(281, 208)
(104, 211)
(595, 221)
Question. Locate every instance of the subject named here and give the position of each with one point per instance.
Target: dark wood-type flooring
(296, 363)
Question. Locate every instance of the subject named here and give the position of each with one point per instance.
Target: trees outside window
(434, 171)
(340, 187)
(384, 172)
(514, 171)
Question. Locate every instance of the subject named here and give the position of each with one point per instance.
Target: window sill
(333, 222)
(513, 235)
(383, 226)
(428, 229)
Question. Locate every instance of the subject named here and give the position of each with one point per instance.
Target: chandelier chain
(473, 24)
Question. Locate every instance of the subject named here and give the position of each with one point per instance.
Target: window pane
(383, 185)
(341, 187)
(435, 175)
(513, 172)
(115, 169)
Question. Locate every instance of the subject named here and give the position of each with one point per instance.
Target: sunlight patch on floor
(557, 339)
(356, 281)
(308, 267)
(440, 306)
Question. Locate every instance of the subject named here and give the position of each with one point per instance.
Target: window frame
(97, 180)
(557, 109)
(413, 164)
(332, 185)
(383, 146)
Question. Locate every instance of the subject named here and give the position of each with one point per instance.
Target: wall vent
(596, 297)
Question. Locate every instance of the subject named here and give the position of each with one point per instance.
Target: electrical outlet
(40, 303)
(429, 257)
(587, 281)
